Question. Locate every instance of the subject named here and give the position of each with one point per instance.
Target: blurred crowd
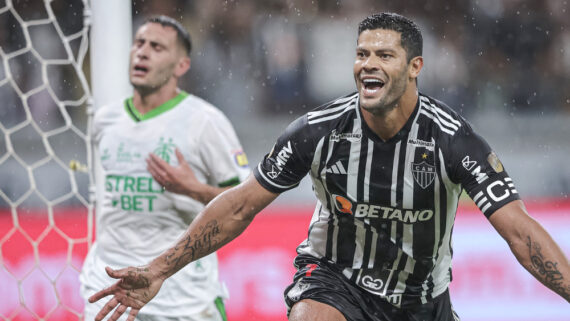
(276, 57)
(288, 55)
(284, 55)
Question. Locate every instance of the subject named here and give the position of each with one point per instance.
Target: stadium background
(503, 64)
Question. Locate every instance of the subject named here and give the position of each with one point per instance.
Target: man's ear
(415, 66)
(182, 66)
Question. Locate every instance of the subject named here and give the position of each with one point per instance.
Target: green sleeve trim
(137, 116)
(221, 308)
(230, 182)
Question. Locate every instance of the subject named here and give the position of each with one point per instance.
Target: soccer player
(388, 165)
(141, 216)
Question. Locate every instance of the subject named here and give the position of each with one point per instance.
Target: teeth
(372, 81)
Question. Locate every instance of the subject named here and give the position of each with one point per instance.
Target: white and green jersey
(139, 220)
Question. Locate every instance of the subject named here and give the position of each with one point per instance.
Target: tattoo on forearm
(547, 270)
(195, 246)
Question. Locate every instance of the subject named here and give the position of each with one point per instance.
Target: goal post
(46, 156)
(111, 39)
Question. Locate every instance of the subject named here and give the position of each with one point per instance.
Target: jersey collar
(137, 116)
(399, 135)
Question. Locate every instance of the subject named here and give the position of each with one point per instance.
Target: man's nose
(142, 51)
(371, 63)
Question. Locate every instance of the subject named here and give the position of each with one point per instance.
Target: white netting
(45, 212)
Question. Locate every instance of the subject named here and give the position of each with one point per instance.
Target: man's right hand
(180, 179)
(135, 288)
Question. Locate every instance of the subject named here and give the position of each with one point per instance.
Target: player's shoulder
(334, 111)
(443, 118)
(325, 118)
(110, 112)
(200, 108)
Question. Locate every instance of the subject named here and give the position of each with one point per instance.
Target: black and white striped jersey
(386, 209)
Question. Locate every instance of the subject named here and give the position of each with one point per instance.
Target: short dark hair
(411, 36)
(182, 35)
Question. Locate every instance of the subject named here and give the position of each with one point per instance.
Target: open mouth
(140, 70)
(372, 85)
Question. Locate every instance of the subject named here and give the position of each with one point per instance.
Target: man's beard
(391, 98)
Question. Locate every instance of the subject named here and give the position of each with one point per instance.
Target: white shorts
(214, 311)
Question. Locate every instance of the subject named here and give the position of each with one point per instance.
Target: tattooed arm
(533, 247)
(221, 221)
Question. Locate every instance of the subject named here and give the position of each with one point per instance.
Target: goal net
(45, 186)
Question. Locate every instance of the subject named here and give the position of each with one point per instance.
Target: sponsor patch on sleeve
(240, 158)
(495, 162)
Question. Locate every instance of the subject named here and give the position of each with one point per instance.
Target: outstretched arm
(533, 247)
(221, 221)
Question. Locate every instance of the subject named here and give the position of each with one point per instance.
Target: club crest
(423, 173)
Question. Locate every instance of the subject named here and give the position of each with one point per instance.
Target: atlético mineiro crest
(424, 174)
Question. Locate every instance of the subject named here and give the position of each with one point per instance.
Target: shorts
(321, 281)
(213, 312)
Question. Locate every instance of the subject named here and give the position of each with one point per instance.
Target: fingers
(103, 293)
(118, 312)
(181, 161)
(106, 309)
(118, 274)
(157, 167)
(110, 272)
(158, 162)
(133, 314)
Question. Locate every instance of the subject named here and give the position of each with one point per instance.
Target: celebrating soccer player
(388, 165)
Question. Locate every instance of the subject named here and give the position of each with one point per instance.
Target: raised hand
(180, 179)
(135, 288)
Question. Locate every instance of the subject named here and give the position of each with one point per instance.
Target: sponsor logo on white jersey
(165, 149)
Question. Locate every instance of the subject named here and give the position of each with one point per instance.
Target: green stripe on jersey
(221, 308)
(230, 182)
(137, 116)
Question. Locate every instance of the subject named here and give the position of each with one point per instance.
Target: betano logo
(363, 210)
(342, 204)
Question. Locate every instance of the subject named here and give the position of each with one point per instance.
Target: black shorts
(320, 281)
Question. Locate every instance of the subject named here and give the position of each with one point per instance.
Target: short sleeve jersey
(386, 209)
(139, 220)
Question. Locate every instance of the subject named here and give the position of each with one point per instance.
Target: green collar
(137, 116)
